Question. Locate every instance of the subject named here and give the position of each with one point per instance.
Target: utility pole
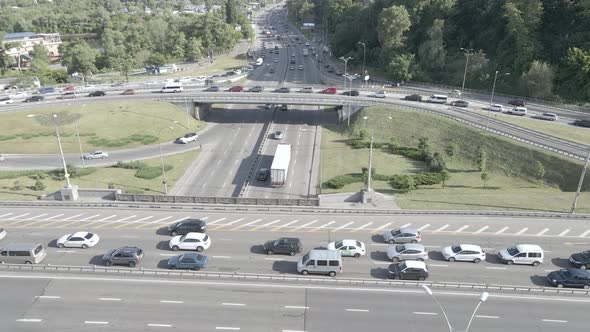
(468, 53)
(580, 183)
(345, 64)
(492, 98)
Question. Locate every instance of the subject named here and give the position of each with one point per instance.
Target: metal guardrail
(307, 280)
(291, 209)
(218, 200)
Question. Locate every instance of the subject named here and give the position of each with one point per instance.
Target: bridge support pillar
(200, 111)
(345, 113)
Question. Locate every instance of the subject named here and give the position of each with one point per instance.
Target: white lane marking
(554, 320)
(226, 257)
(381, 244)
(482, 229)
(323, 226)
(35, 217)
(48, 297)
(227, 328)
(358, 310)
(522, 231)
(381, 263)
(425, 313)
(273, 259)
(270, 223)
(67, 251)
(109, 217)
(293, 331)
(119, 220)
(296, 307)
(424, 227)
(232, 222)
(56, 216)
(109, 299)
(484, 316)
(159, 220)
(84, 219)
(142, 219)
(215, 221)
(171, 301)
(382, 227)
(439, 265)
(305, 225)
(361, 227)
(343, 226)
(502, 230)
(29, 320)
(16, 217)
(585, 233)
(168, 255)
(159, 325)
(72, 217)
(252, 222)
(564, 232)
(545, 230)
(287, 224)
(462, 228)
(7, 214)
(233, 304)
(406, 225)
(442, 228)
(95, 322)
(495, 268)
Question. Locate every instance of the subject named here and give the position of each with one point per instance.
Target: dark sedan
(284, 245)
(517, 102)
(34, 98)
(257, 88)
(413, 97)
(97, 94)
(212, 89)
(460, 103)
(582, 123)
(190, 261)
(577, 278)
(352, 93)
(581, 260)
(283, 89)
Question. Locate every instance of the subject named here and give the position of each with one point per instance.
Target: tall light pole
(492, 98)
(580, 183)
(370, 158)
(364, 54)
(467, 53)
(345, 64)
(482, 298)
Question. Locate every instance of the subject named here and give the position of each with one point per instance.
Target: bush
(437, 163)
(427, 179)
(359, 144)
(341, 180)
(411, 153)
(404, 183)
(58, 173)
(130, 165)
(7, 137)
(39, 186)
(38, 176)
(151, 172)
(17, 186)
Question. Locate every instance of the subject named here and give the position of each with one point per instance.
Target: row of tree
(544, 44)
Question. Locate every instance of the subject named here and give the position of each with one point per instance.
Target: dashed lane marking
(343, 226)
(585, 233)
(462, 228)
(296, 307)
(267, 224)
(425, 313)
(29, 320)
(553, 321)
(522, 231)
(482, 229)
(564, 232)
(502, 230)
(545, 230)
(361, 227)
(322, 226)
(440, 229)
(378, 229)
(358, 310)
(233, 304)
(6, 214)
(424, 227)
(484, 316)
(48, 297)
(171, 302)
(95, 322)
(406, 225)
(158, 325)
(227, 328)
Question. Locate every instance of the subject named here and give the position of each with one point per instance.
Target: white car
(464, 252)
(496, 108)
(407, 251)
(184, 79)
(96, 155)
(352, 248)
(191, 241)
(78, 240)
(190, 137)
(380, 94)
(6, 100)
(548, 116)
(19, 95)
(2, 233)
(150, 83)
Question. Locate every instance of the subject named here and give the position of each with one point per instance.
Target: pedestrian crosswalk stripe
(88, 218)
(6, 214)
(107, 218)
(35, 217)
(153, 222)
(19, 216)
(72, 217)
(343, 226)
(56, 216)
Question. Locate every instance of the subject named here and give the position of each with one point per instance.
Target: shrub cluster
(342, 180)
(151, 172)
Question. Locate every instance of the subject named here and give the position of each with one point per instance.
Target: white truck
(280, 165)
(305, 52)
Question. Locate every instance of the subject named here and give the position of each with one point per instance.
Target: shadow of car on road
(163, 264)
(379, 256)
(52, 244)
(163, 231)
(494, 259)
(163, 245)
(436, 256)
(96, 260)
(257, 249)
(285, 267)
(540, 281)
(380, 273)
(377, 238)
(562, 263)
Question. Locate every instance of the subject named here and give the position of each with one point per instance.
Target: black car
(570, 278)
(460, 103)
(257, 88)
(123, 256)
(212, 89)
(284, 245)
(352, 93)
(517, 102)
(263, 174)
(283, 89)
(97, 94)
(582, 123)
(581, 260)
(34, 98)
(413, 97)
(187, 226)
(409, 270)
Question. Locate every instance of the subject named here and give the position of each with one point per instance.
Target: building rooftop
(18, 35)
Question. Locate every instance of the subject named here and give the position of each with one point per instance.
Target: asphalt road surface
(88, 303)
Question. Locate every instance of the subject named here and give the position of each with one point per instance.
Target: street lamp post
(164, 179)
(364, 54)
(492, 98)
(369, 175)
(345, 64)
(482, 298)
(467, 53)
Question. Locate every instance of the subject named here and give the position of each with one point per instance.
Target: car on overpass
(582, 123)
(547, 116)
(189, 261)
(496, 108)
(78, 240)
(575, 278)
(413, 97)
(237, 88)
(409, 270)
(352, 93)
(130, 256)
(379, 94)
(96, 155)
(329, 91)
(212, 89)
(284, 245)
(517, 102)
(34, 98)
(190, 137)
(257, 88)
(306, 89)
(459, 103)
(6, 100)
(97, 93)
(283, 89)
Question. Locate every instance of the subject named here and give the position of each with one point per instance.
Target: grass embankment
(120, 178)
(511, 165)
(108, 126)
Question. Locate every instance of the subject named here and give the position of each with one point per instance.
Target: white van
(438, 99)
(173, 87)
(528, 254)
(320, 261)
(518, 111)
(259, 61)
(22, 253)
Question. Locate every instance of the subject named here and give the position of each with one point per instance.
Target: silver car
(464, 252)
(402, 235)
(409, 251)
(96, 155)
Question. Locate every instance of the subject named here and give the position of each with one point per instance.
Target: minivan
(172, 88)
(320, 261)
(518, 111)
(530, 254)
(22, 253)
(68, 95)
(438, 99)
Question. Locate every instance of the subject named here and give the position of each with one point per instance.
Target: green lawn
(566, 131)
(108, 125)
(99, 178)
(506, 190)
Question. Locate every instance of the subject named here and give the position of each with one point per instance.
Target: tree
(194, 49)
(363, 133)
(485, 177)
(394, 22)
(437, 163)
(482, 160)
(432, 52)
(444, 176)
(451, 150)
(400, 67)
(231, 12)
(574, 73)
(405, 183)
(424, 148)
(538, 80)
(40, 53)
(39, 185)
(79, 57)
(539, 171)
(156, 60)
